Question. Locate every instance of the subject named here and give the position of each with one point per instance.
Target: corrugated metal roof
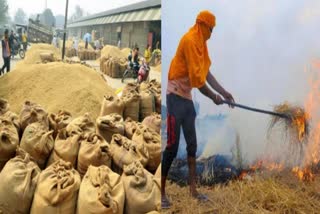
(128, 8)
(151, 14)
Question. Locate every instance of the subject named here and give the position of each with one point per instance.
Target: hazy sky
(58, 6)
(258, 49)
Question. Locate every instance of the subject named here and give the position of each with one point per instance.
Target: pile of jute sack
(54, 163)
(88, 54)
(71, 52)
(113, 66)
(140, 100)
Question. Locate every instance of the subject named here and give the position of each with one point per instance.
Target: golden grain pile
(33, 54)
(274, 194)
(55, 86)
(113, 51)
(126, 51)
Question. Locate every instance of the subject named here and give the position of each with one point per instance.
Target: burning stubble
(296, 125)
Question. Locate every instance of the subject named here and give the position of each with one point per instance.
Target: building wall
(132, 33)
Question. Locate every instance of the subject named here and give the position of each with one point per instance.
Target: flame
(242, 175)
(267, 165)
(303, 174)
(299, 122)
(312, 106)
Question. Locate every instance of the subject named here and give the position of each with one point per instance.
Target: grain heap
(126, 51)
(55, 86)
(41, 53)
(113, 61)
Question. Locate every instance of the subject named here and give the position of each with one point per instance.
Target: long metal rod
(257, 110)
(65, 30)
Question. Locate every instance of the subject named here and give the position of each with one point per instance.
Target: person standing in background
(6, 52)
(86, 44)
(147, 53)
(24, 39)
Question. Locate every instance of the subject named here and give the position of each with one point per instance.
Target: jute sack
(152, 141)
(124, 151)
(18, 181)
(97, 54)
(130, 126)
(105, 67)
(59, 121)
(103, 60)
(93, 55)
(101, 192)
(147, 104)
(158, 103)
(142, 192)
(9, 140)
(157, 175)
(129, 88)
(153, 122)
(111, 104)
(116, 73)
(108, 67)
(57, 190)
(144, 86)
(109, 125)
(158, 172)
(38, 142)
(94, 150)
(80, 55)
(31, 113)
(46, 57)
(4, 106)
(65, 148)
(123, 67)
(83, 124)
(155, 84)
(14, 118)
(85, 55)
(156, 90)
(131, 106)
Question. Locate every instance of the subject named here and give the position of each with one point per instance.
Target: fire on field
(289, 183)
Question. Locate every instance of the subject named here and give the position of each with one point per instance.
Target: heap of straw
(296, 124)
(279, 194)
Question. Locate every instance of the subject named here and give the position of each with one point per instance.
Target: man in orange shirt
(189, 69)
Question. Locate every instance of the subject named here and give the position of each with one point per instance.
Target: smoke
(259, 52)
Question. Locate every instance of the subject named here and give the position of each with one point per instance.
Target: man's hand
(217, 99)
(229, 97)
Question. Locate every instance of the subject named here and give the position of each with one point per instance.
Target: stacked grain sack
(88, 166)
(70, 50)
(113, 61)
(89, 53)
(68, 149)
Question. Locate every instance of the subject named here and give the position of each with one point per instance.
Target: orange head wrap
(207, 18)
(192, 57)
